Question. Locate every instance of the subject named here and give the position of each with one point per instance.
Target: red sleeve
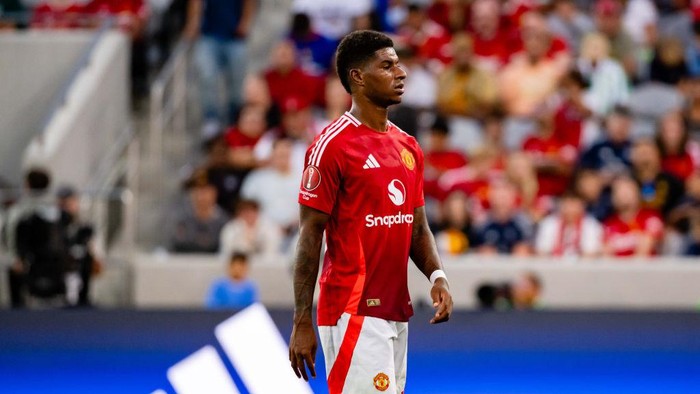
(321, 179)
(419, 199)
(653, 225)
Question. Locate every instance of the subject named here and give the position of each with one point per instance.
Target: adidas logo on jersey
(371, 162)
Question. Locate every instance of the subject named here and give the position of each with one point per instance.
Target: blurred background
(151, 152)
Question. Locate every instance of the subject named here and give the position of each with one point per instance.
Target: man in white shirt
(570, 232)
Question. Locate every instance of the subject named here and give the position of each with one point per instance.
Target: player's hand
(302, 349)
(442, 301)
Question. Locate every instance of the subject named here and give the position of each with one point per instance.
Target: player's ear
(356, 77)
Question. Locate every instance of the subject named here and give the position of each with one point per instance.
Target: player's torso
(369, 233)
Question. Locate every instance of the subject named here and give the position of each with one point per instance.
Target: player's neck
(371, 115)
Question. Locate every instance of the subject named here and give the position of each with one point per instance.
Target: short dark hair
(357, 48)
(238, 257)
(38, 179)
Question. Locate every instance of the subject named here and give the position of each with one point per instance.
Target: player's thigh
(401, 354)
(331, 338)
(372, 368)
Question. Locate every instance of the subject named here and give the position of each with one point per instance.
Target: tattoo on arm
(306, 261)
(423, 248)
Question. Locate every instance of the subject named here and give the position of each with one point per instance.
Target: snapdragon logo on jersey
(397, 195)
(257, 352)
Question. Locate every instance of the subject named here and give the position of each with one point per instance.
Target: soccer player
(363, 186)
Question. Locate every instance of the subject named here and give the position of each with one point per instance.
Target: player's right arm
(302, 344)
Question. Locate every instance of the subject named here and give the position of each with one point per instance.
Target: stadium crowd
(550, 127)
(556, 128)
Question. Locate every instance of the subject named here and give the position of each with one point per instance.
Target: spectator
(285, 78)
(571, 116)
(631, 231)
(454, 233)
(439, 157)
(36, 202)
(668, 64)
(531, 77)
(568, 22)
(315, 51)
(12, 15)
(693, 247)
(673, 141)
(226, 177)
(553, 161)
(453, 16)
(590, 185)
(79, 238)
(534, 23)
(692, 54)
(523, 293)
(332, 19)
(243, 137)
(197, 226)
(58, 14)
(493, 42)
(608, 19)
(660, 191)
(608, 83)
(250, 233)
(570, 232)
(505, 231)
(297, 126)
(424, 36)
(221, 27)
(236, 290)
(521, 172)
(464, 88)
(612, 155)
(419, 90)
(276, 187)
(680, 218)
(639, 20)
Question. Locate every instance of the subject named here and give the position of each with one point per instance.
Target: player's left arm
(425, 255)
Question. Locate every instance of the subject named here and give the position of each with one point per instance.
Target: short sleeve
(654, 226)
(321, 178)
(419, 198)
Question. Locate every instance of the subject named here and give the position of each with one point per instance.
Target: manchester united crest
(408, 160)
(381, 382)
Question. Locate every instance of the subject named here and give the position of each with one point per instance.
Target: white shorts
(365, 355)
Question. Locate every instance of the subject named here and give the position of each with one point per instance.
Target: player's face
(384, 78)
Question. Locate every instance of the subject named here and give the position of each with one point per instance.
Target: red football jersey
(369, 183)
(624, 236)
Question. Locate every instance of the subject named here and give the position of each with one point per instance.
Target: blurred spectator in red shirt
(678, 154)
(131, 15)
(631, 231)
(286, 79)
(59, 14)
(439, 157)
(573, 111)
(660, 190)
(553, 160)
(452, 15)
(429, 40)
(242, 137)
(493, 41)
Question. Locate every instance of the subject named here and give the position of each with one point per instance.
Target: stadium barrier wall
(33, 69)
(177, 281)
